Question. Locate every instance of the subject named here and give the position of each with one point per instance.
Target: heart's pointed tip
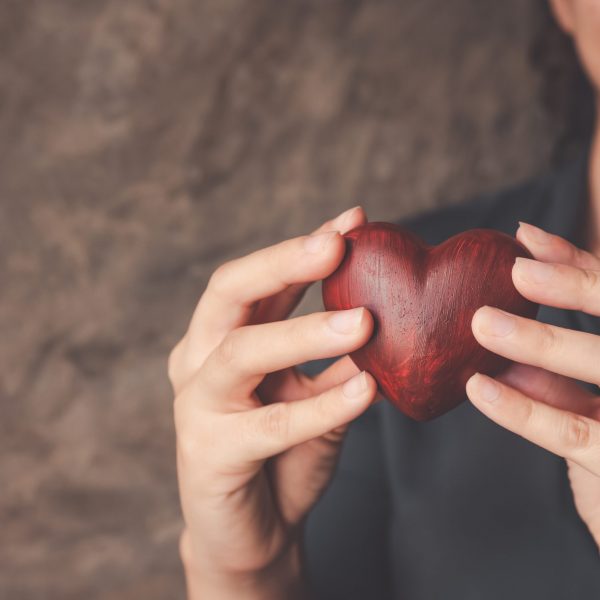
(424, 412)
(426, 418)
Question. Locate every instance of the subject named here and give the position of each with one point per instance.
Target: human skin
(538, 397)
(257, 440)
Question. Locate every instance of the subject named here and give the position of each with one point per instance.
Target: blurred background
(142, 143)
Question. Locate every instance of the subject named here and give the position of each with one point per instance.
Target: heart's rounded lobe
(422, 298)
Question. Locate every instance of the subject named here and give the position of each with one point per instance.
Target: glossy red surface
(422, 351)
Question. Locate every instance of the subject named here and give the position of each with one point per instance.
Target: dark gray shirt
(459, 508)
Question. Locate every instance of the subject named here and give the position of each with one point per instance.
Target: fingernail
(346, 321)
(317, 242)
(341, 218)
(485, 388)
(355, 386)
(535, 233)
(533, 270)
(493, 321)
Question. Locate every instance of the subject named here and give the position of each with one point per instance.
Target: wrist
(282, 579)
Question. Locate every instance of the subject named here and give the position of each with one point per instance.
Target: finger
(548, 247)
(272, 429)
(245, 355)
(211, 320)
(339, 371)
(559, 285)
(345, 221)
(551, 388)
(236, 287)
(571, 353)
(291, 384)
(567, 434)
(279, 306)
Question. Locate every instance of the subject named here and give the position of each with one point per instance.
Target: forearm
(281, 580)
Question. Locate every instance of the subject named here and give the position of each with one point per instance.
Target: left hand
(539, 397)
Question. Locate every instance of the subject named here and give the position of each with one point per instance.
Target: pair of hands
(257, 440)
(537, 397)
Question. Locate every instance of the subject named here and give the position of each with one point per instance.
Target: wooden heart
(422, 298)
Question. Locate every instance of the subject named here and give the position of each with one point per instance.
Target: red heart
(422, 298)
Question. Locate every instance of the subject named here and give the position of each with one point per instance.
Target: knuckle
(173, 363)
(527, 414)
(590, 281)
(581, 256)
(275, 421)
(575, 433)
(572, 252)
(219, 280)
(549, 340)
(228, 351)
(576, 254)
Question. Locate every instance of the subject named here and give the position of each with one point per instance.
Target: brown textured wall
(144, 142)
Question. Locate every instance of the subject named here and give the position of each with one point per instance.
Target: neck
(593, 222)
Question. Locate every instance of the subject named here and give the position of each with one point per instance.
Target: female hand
(257, 440)
(540, 399)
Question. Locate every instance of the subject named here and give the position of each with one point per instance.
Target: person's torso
(458, 508)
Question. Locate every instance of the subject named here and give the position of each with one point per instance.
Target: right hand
(257, 440)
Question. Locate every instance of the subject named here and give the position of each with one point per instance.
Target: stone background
(144, 142)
